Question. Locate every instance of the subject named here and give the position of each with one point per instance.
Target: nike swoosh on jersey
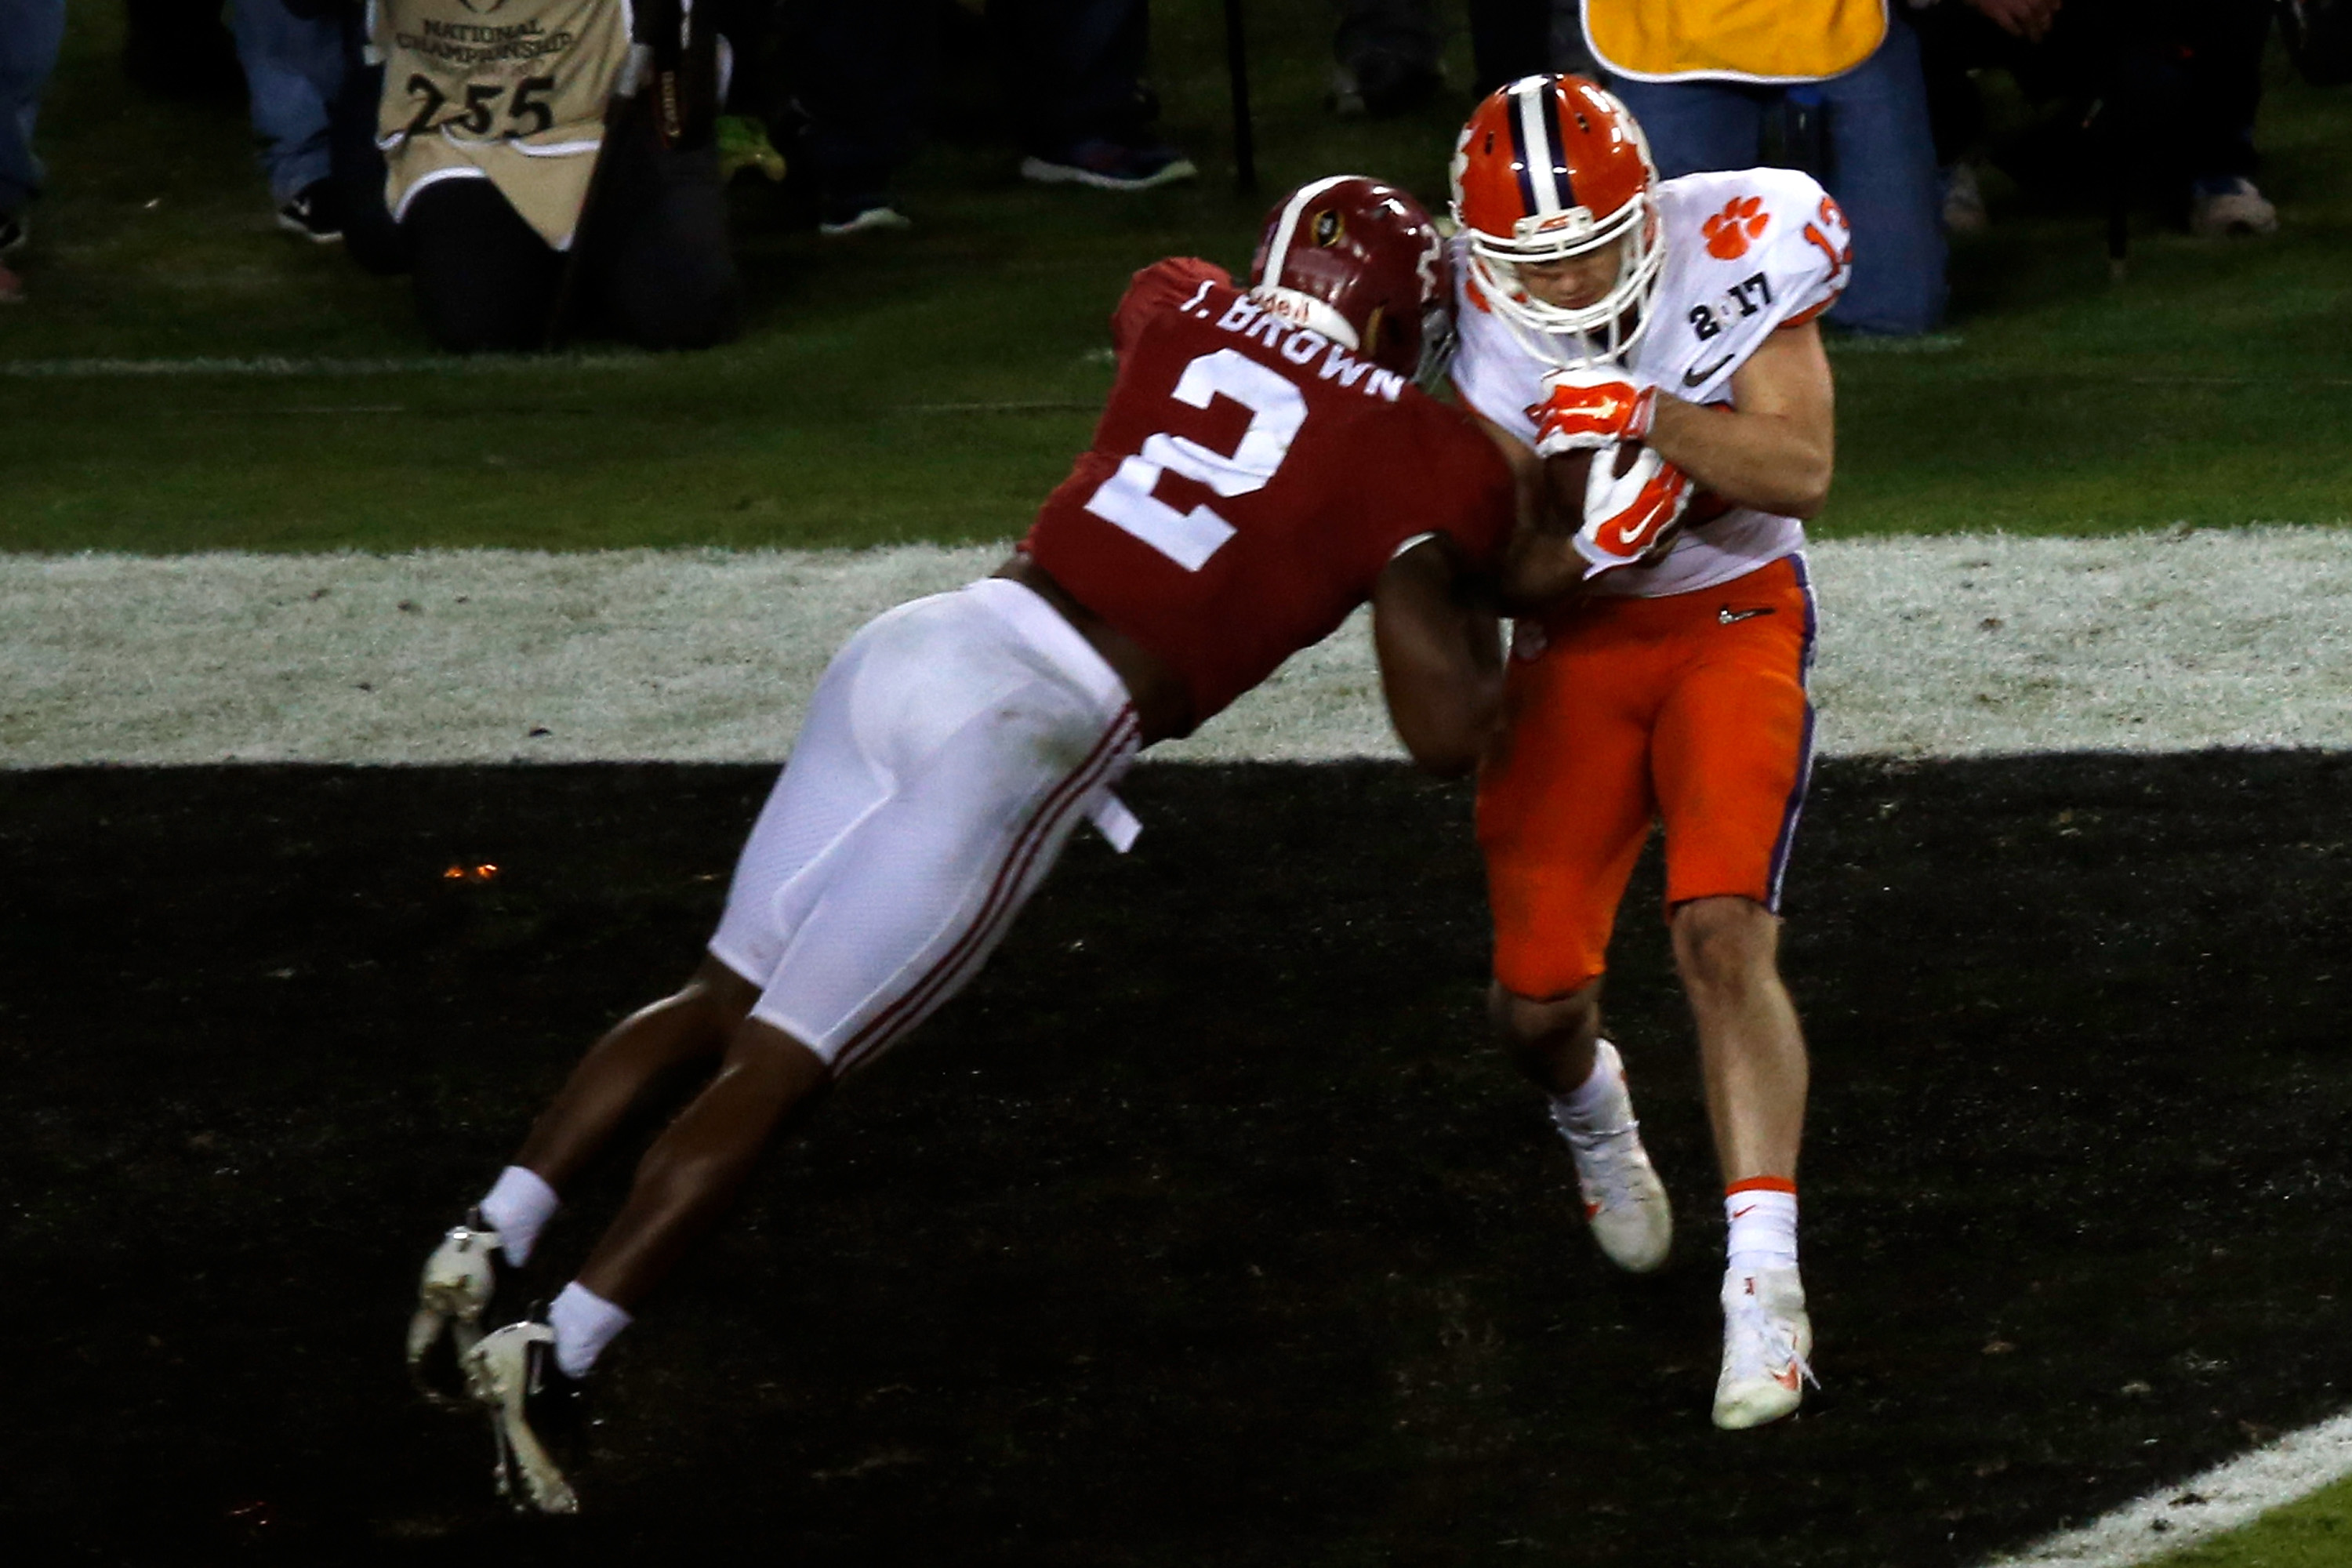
(1727, 616)
(1697, 373)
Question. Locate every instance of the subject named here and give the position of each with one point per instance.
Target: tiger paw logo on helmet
(1728, 232)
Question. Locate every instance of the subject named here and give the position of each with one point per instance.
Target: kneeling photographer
(539, 171)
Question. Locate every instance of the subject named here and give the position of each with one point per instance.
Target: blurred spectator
(2171, 85)
(293, 69)
(2319, 39)
(178, 49)
(1385, 55)
(860, 77)
(1706, 80)
(1073, 70)
(1070, 73)
(30, 34)
(529, 184)
(1569, 52)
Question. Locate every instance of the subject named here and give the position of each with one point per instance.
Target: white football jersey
(1747, 253)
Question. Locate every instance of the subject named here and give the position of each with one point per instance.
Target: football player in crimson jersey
(1604, 314)
(1264, 465)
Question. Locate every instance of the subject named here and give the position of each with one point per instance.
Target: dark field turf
(1206, 1228)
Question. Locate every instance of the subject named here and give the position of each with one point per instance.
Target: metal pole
(1237, 65)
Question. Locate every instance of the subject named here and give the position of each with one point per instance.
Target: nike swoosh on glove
(1631, 517)
(1585, 410)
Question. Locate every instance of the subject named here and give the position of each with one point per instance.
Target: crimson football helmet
(1550, 167)
(1361, 263)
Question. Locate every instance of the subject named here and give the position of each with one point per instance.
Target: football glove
(1631, 517)
(1585, 410)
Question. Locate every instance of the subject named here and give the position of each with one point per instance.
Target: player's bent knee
(780, 1064)
(1535, 1029)
(1725, 944)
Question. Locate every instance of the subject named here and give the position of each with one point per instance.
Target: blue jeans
(30, 33)
(293, 69)
(1882, 170)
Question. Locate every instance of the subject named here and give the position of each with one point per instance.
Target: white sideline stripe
(1943, 647)
(2225, 1497)
(418, 364)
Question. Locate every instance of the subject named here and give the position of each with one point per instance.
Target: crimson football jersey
(1250, 481)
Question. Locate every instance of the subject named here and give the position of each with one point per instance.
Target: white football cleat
(1624, 1202)
(512, 1374)
(2231, 206)
(458, 1279)
(1767, 1338)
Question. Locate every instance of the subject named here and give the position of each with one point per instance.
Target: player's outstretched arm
(1776, 449)
(1441, 660)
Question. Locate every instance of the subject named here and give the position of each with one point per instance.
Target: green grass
(2214, 385)
(2316, 1532)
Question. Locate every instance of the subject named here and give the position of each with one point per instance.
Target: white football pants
(949, 752)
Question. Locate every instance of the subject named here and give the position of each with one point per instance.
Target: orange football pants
(1689, 709)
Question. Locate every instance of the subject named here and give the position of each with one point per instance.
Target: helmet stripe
(1278, 253)
(1526, 129)
(1541, 146)
(1539, 108)
(1556, 133)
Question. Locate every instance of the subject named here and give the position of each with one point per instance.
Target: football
(1564, 477)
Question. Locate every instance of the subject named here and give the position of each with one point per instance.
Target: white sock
(584, 1323)
(1599, 1103)
(517, 1208)
(1763, 1215)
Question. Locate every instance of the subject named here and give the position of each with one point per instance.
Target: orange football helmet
(1550, 167)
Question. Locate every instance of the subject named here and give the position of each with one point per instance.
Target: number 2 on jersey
(1189, 537)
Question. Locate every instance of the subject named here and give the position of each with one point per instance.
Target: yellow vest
(1738, 40)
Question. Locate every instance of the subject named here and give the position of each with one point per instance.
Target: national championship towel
(511, 90)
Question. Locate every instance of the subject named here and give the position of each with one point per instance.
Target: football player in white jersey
(1662, 333)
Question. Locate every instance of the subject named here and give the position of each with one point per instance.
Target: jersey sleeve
(1812, 253)
(1162, 286)
(1444, 476)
